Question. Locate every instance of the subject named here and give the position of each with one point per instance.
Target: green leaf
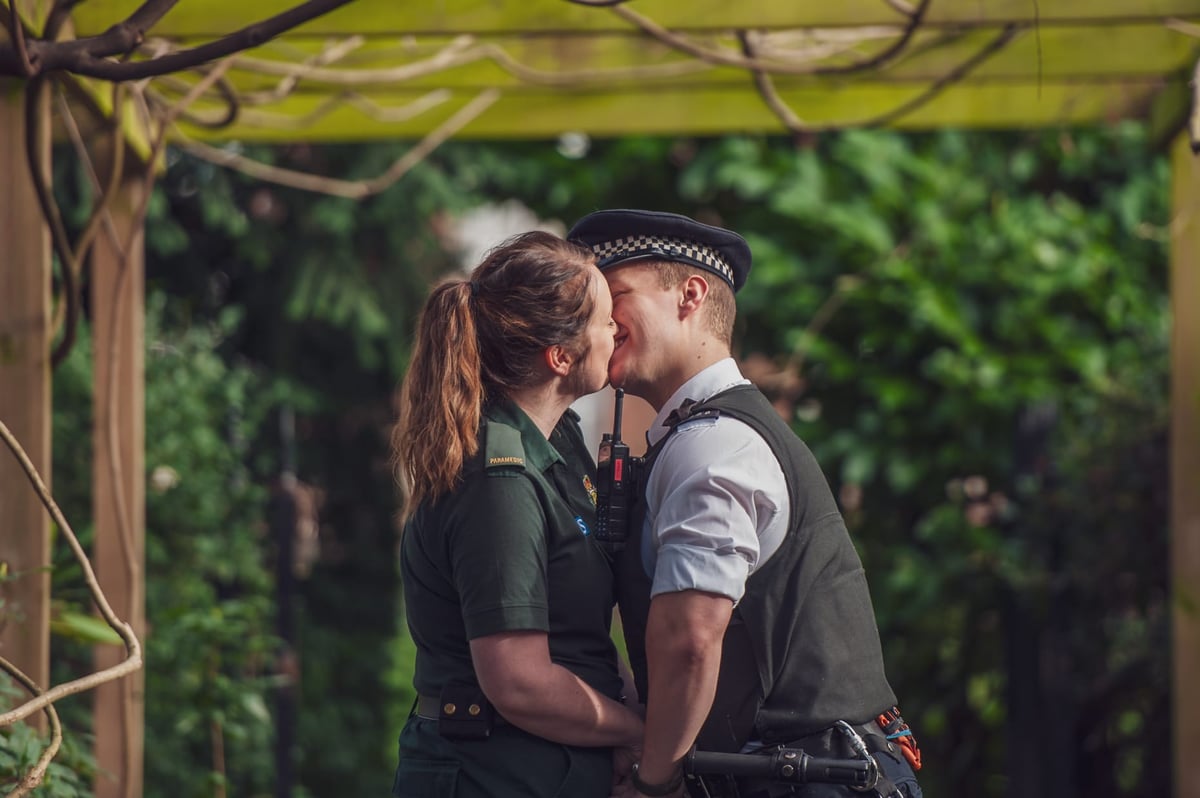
(84, 628)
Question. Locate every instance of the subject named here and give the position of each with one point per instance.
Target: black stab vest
(802, 648)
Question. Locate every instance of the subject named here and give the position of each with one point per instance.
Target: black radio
(617, 474)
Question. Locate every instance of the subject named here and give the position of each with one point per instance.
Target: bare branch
(231, 114)
(39, 176)
(133, 659)
(17, 29)
(89, 57)
(102, 195)
(1193, 124)
(900, 5)
(795, 124)
(59, 14)
(34, 777)
(709, 55)
(365, 105)
(125, 36)
(461, 51)
(346, 188)
(333, 53)
(457, 53)
(999, 42)
(766, 87)
(1183, 26)
(885, 55)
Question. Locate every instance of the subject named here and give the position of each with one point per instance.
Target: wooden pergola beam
(119, 480)
(24, 398)
(1185, 467)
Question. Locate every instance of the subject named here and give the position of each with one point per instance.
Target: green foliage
(210, 650)
(210, 603)
(70, 772)
(1004, 339)
(320, 294)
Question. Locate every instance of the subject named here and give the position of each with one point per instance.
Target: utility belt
(462, 712)
(888, 732)
(842, 754)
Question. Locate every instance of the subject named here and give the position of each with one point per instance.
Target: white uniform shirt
(716, 502)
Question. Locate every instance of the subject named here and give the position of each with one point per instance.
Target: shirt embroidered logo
(590, 488)
(582, 526)
(506, 461)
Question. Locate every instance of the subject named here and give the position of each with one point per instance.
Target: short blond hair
(720, 308)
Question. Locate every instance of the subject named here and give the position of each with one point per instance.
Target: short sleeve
(715, 488)
(497, 554)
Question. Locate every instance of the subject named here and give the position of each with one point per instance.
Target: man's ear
(559, 360)
(695, 291)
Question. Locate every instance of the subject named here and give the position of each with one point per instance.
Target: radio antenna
(617, 415)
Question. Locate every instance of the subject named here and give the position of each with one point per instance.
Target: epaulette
(503, 448)
(678, 419)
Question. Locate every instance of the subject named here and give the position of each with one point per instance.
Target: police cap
(620, 236)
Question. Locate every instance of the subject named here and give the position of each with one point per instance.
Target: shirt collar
(539, 452)
(720, 376)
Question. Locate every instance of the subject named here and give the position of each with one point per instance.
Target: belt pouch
(464, 713)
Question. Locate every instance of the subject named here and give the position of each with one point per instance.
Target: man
(745, 605)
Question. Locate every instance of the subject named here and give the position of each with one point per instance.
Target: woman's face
(591, 372)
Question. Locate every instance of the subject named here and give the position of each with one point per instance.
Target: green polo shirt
(510, 549)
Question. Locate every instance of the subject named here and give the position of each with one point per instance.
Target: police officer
(508, 599)
(745, 605)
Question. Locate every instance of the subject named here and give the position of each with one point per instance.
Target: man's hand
(625, 789)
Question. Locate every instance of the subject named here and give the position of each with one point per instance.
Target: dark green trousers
(509, 764)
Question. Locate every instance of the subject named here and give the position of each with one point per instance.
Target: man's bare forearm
(684, 631)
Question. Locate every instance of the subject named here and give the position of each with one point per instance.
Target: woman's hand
(624, 759)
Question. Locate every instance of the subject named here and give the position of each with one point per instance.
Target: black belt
(830, 742)
(429, 707)
(833, 743)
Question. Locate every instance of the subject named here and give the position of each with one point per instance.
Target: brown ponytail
(479, 339)
(441, 399)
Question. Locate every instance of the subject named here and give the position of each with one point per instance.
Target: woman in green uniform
(507, 596)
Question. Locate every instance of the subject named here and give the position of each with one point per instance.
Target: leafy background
(969, 329)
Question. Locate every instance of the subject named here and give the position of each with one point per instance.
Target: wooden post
(1185, 466)
(24, 398)
(118, 480)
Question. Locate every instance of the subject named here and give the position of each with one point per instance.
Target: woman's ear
(559, 360)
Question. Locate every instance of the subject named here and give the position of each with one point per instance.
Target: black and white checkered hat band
(670, 248)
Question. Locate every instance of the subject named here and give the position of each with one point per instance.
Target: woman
(508, 599)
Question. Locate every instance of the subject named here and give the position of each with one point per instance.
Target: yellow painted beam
(1081, 53)
(699, 111)
(387, 17)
